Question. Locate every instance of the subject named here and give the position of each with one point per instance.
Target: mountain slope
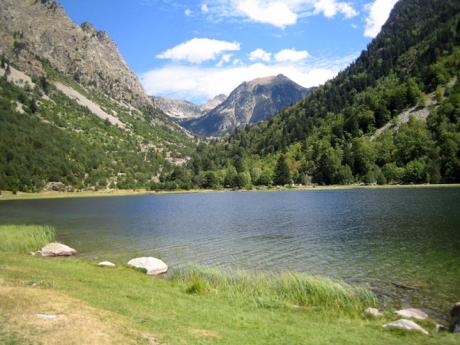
(35, 32)
(327, 137)
(72, 114)
(249, 103)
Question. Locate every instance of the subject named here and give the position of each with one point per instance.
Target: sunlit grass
(276, 290)
(24, 238)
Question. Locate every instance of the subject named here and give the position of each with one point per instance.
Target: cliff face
(249, 103)
(33, 32)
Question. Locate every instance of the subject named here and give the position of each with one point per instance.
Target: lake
(374, 237)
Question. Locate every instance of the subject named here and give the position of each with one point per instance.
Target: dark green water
(365, 236)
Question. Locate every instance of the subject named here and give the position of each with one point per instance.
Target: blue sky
(197, 49)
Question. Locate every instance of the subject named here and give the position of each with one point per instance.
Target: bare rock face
(406, 325)
(57, 249)
(152, 266)
(412, 313)
(454, 325)
(251, 102)
(35, 31)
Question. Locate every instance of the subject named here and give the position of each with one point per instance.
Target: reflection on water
(373, 237)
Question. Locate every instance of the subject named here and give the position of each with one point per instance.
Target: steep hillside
(72, 114)
(328, 137)
(249, 103)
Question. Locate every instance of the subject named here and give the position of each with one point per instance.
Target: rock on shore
(407, 325)
(412, 313)
(57, 249)
(153, 266)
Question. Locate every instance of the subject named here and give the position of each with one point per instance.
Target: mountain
(249, 103)
(392, 116)
(212, 103)
(177, 109)
(72, 113)
(33, 33)
(183, 110)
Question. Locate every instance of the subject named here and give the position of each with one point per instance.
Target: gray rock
(48, 317)
(152, 266)
(406, 325)
(412, 313)
(57, 249)
(106, 264)
(373, 312)
(454, 325)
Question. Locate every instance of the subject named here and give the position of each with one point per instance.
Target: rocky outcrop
(249, 103)
(34, 33)
(406, 325)
(57, 249)
(152, 266)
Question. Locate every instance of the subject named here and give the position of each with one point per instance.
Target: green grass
(277, 290)
(24, 238)
(203, 306)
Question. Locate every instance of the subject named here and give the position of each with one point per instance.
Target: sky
(197, 49)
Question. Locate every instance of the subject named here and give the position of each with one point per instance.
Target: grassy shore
(193, 306)
(7, 195)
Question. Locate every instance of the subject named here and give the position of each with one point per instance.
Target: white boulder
(373, 312)
(152, 266)
(406, 325)
(57, 249)
(106, 264)
(412, 313)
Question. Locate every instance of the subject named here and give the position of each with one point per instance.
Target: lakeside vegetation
(193, 306)
(24, 238)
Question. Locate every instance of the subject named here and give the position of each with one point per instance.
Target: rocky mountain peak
(251, 102)
(80, 52)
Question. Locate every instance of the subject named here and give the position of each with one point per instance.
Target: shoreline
(9, 196)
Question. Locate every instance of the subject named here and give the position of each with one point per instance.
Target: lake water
(373, 237)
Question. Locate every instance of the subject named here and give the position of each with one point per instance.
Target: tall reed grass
(277, 290)
(24, 238)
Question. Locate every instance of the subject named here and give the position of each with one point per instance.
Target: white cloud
(331, 7)
(291, 55)
(279, 13)
(379, 11)
(275, 13)
(198, 50)
(204, 8)
(226, 58)
(260, 54)
(198, 83)
(188, 12)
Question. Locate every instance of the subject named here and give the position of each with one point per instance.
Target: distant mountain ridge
(183, 110)
(251, 102)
